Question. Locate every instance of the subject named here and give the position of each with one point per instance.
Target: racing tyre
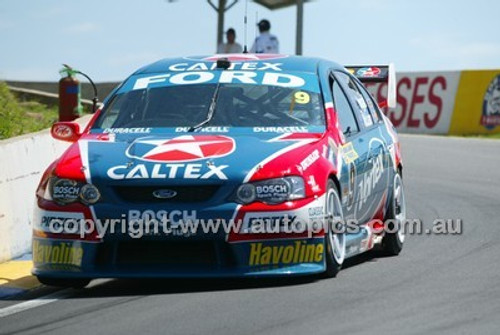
(334, 241)
(64, 282)
(392, 243)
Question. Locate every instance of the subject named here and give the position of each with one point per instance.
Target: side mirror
(66, 131)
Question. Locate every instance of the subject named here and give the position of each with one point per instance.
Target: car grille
(156, 253)
(186, 194)
(165, 253)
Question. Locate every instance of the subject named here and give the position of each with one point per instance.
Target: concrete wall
(23, 160)
(103, 89)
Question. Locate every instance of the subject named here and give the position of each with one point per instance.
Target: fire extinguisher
(70, 106)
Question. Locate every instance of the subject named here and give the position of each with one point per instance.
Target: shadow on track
(138, 287)
(144, 287)
(134, 287)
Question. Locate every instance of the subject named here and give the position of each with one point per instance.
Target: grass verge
(17, 118)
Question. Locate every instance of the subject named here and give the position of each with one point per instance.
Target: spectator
(231, 47)
(265, 42)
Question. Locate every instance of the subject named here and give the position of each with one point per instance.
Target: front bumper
(220, 254)
(80, 259)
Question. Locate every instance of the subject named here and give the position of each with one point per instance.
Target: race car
(236, 165)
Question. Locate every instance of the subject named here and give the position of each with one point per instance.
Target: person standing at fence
(231, 47)
(266, 42)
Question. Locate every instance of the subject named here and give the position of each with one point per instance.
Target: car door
(372, 179)
(354, 149)
(383, 142)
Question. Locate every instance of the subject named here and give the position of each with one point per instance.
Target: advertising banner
(477, 105)
(425, 101)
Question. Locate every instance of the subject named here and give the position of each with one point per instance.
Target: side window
(360, 105)
(374, 112)
(343, 109)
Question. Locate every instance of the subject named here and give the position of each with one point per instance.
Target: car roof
(287, 62)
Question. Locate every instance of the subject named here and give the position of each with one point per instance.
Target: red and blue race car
(224, 166)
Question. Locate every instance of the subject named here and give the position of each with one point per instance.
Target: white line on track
(47, 299)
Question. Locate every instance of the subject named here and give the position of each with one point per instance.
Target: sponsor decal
(253, 221)
(161, 216)
(311, 181)
(204, 129)
(247, 66)
(65, 191)
(370, 180)
(309, 160)
(62, 253)
(316, 213)
(226, 77)
(278, 190)
(167, 171)
(184, 148)
(127, 130)
(300, 98)
(280, 129)
(62, 131)
(490, 117)
(349, 154)
(60, 222)
(368, 72)
(292, 253)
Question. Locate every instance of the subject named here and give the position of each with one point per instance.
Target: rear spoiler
(378, 74)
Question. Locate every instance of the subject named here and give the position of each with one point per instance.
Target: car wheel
(334, 241)
(64, 282)
(392, 243)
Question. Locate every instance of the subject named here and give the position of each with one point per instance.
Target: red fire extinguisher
(70, 106)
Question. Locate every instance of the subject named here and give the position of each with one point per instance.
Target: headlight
(89, 194)
(246, 193)
(66, 191)
(271, 191)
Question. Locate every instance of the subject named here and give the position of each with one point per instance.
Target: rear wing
(378, 74)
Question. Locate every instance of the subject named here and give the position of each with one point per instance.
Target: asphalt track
(439, 284)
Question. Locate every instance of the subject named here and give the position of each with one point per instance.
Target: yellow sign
(298, 252)
(63, 253)
(348, 152)
(477, 104)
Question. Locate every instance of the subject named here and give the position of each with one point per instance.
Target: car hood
(182, 158)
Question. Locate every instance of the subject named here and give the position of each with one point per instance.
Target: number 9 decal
(301, 97)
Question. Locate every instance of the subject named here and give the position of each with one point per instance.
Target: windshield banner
(299, 80)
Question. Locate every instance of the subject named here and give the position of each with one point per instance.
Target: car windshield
(235, 105)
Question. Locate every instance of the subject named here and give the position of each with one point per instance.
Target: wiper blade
(211, 111)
